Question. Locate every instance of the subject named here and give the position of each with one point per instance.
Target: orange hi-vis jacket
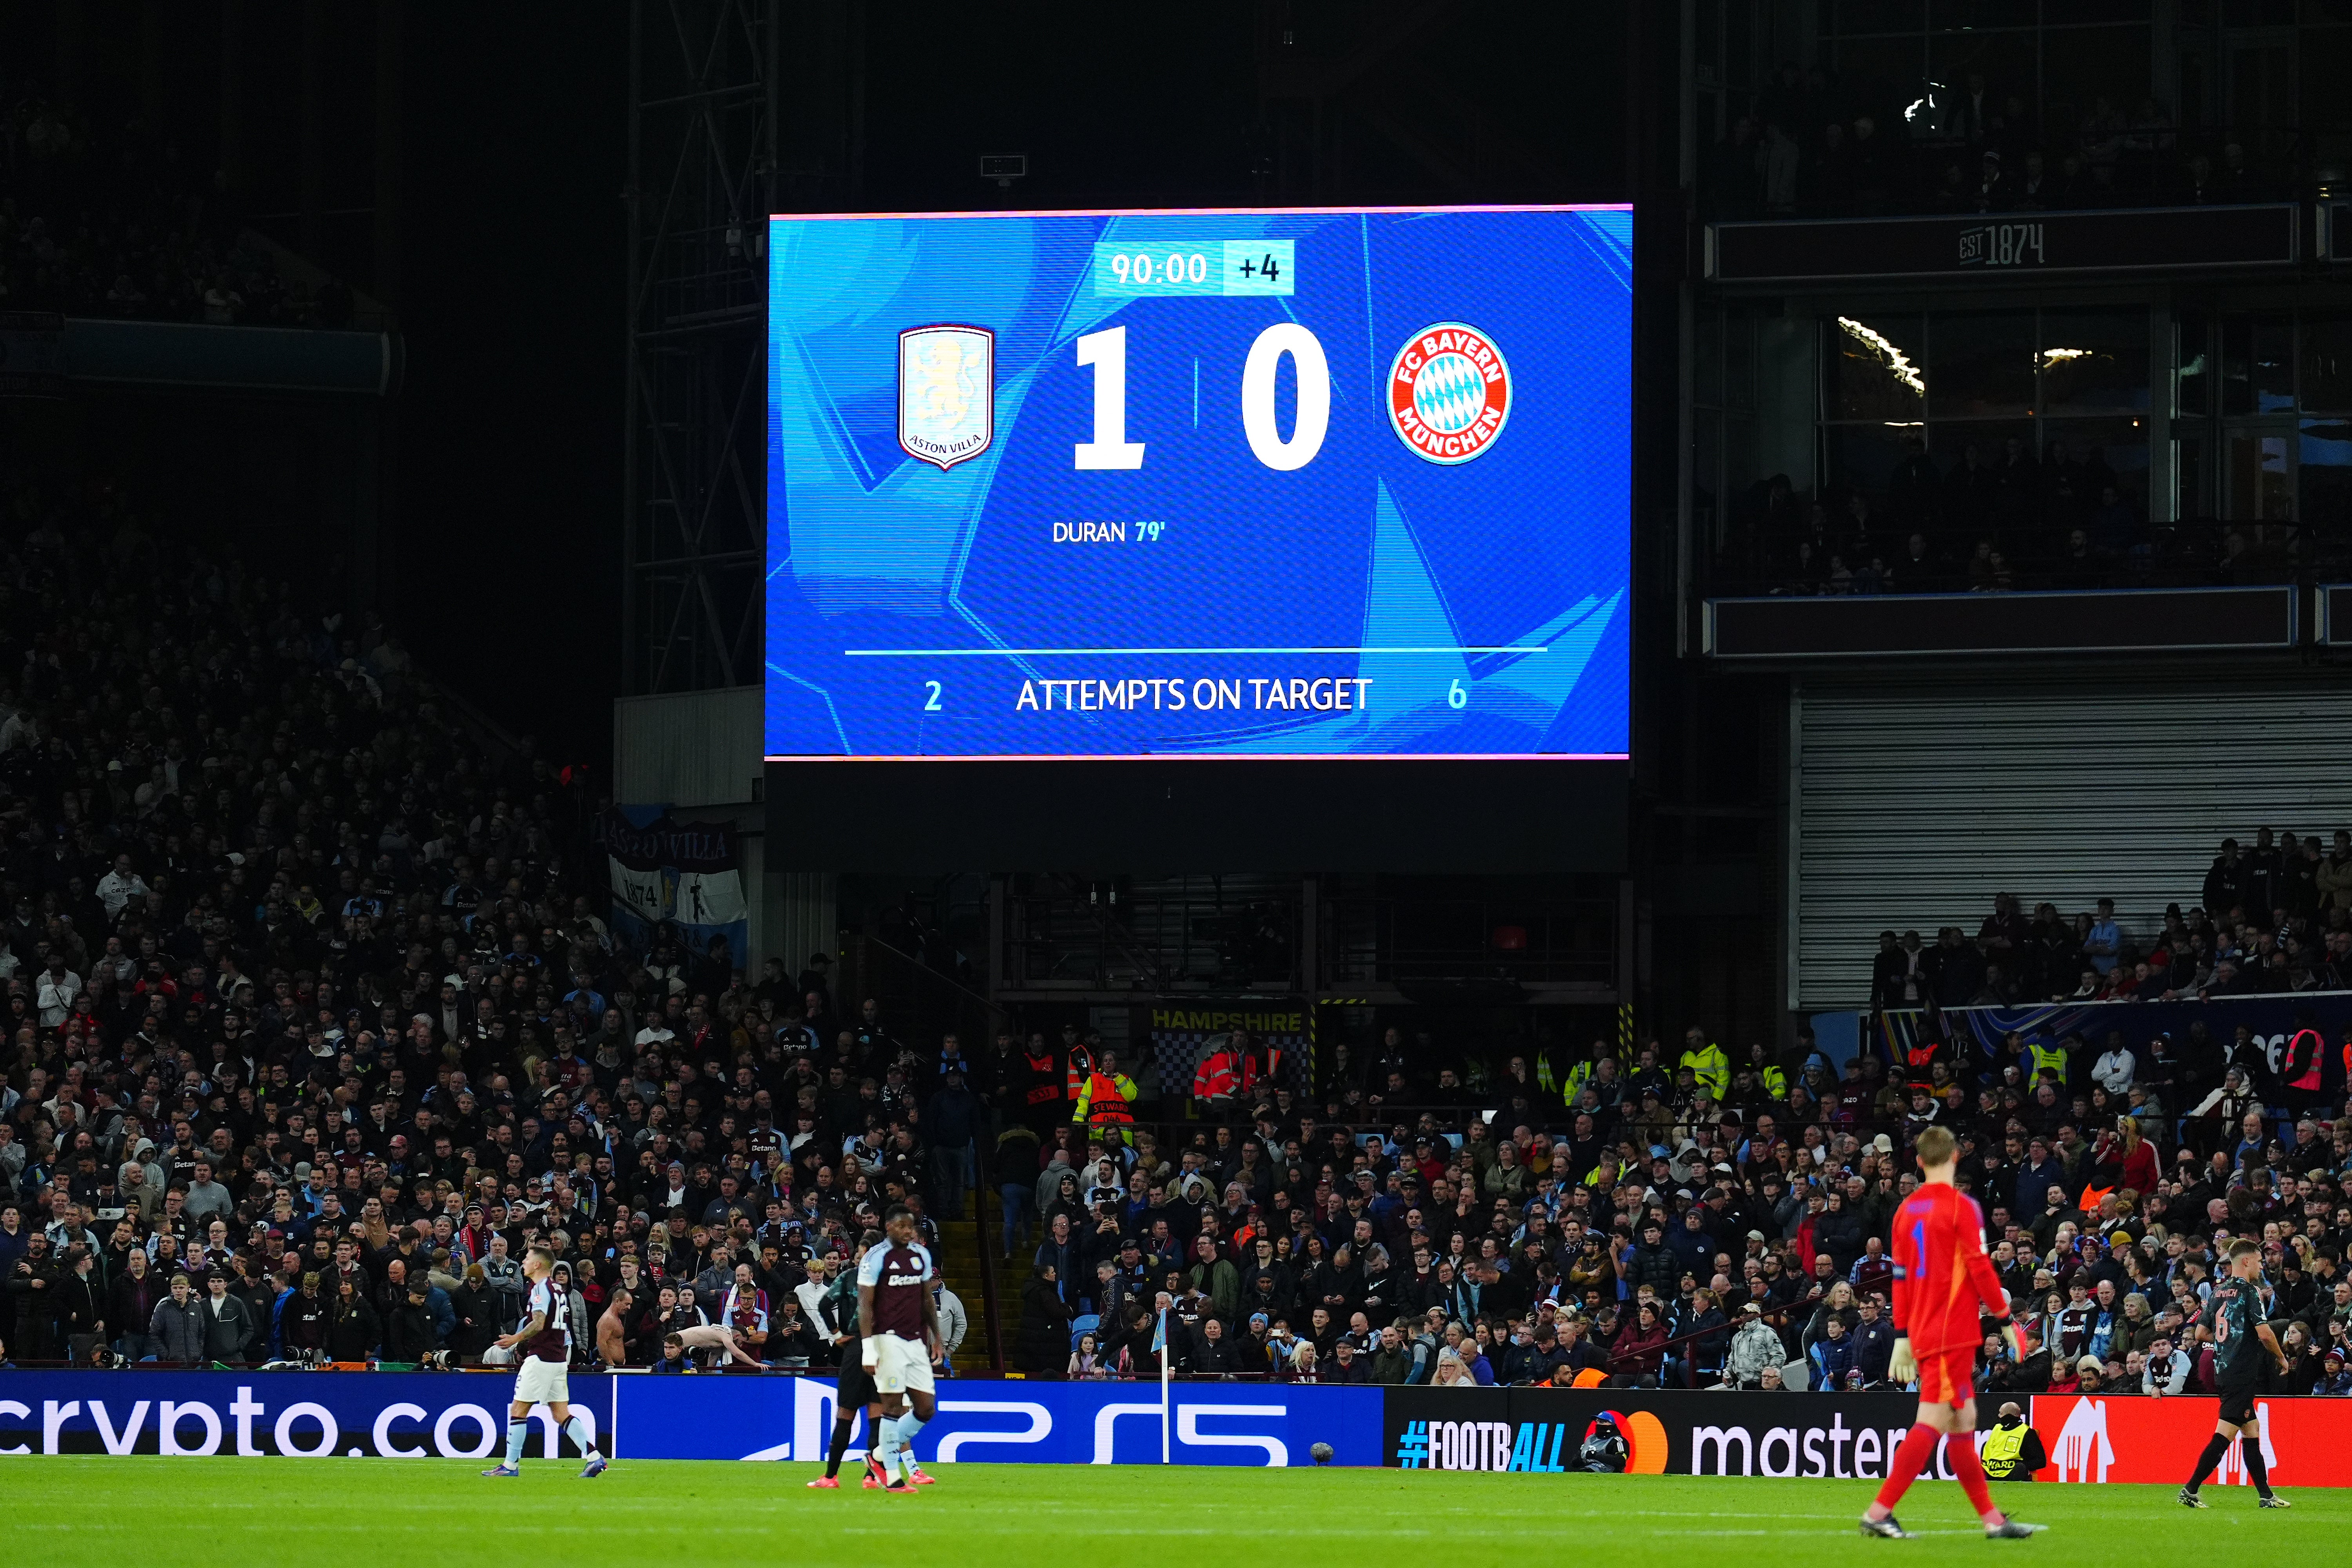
(1107, 1098)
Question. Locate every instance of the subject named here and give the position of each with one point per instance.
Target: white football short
(542, 1383)
(902, 1364)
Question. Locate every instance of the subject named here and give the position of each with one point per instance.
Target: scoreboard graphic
(1253, 483)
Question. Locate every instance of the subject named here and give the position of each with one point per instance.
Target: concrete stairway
(960, 1246)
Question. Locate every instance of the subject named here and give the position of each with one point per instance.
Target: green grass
(256, 1513)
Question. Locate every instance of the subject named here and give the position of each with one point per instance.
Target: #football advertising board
(1199, 486)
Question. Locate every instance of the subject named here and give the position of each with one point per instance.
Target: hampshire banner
(1185, 1033)
(687, 876)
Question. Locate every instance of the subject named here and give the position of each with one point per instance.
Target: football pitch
(256, 1513)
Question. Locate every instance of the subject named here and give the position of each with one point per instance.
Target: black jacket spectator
(1960, 969)
(1216, 1357)
(179, 1330)
(408, 1333)
(31, 1283)
(2225, 881)
(1045, 1345)
(80, 1302)
(302, 1322)
(352, 1330)
(476, 1307)
(132, 1301)
(230, 1331)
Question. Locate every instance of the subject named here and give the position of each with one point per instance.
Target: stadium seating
(311, 991)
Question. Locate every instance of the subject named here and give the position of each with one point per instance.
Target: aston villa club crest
(1449, 392)
(947, 393)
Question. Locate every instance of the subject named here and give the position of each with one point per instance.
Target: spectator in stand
(230, 1331)
(2165, 1370)
(132, 1299)
(107, 221)
(356, 937)
(1045, 1323)
(1841, 161)
(177, 1326)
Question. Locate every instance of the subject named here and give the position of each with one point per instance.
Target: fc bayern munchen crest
(1449, 392)
(947, 393)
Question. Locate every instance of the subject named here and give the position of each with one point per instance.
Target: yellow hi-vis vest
(2003, 1446)
(1710, 1067)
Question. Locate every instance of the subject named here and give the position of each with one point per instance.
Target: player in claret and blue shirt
(1942, 1280)
(545, 1339)
(899, 1322)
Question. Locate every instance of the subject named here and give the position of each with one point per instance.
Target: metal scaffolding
(703, 109)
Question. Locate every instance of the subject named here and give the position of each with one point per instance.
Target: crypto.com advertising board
(462, 1416)
(1528, 1431)
(1272, 484)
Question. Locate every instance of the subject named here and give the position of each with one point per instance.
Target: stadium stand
(317, 1024)
(2273, 917)
(107, 220)
(2010, 117)
(1817, 143)
(318, 1020)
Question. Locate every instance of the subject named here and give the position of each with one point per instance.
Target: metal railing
(1533, 939)
(1179, 934)
(984, 1187)
(1906, 175)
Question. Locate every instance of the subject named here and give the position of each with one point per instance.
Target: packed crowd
(1814, 145)
(315, 1027)
(2275, 919)
(1619, 1220)
(254, 874)
(99, 218)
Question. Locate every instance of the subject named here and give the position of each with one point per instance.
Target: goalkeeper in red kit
(1942, 1280)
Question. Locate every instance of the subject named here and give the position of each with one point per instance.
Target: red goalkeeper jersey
(1942, 1277)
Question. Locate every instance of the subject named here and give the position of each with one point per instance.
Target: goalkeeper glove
(1900, 1366)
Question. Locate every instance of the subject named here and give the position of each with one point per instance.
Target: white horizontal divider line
(1091, 652)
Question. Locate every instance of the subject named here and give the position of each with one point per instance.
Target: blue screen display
(1200, 484)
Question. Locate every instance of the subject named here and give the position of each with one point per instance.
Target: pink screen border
(1210, 211)
(1212, 756)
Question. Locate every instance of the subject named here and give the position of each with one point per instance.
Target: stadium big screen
(1200, 537)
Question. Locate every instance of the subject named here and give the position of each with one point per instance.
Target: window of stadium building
(1982, 451)
(2263, 425)
(1953, 450)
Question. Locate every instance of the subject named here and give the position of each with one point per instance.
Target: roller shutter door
(1913, 801)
